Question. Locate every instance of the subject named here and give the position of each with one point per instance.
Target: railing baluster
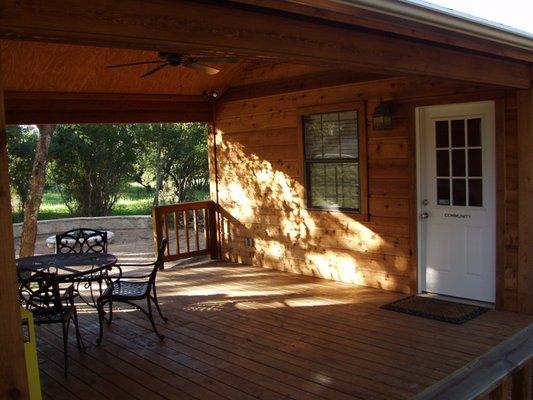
(502, 391)
(165, 219)
(204, 213)
(522, 385)
(195, 222)
(213, 239)
(177, 231)
(186, 227)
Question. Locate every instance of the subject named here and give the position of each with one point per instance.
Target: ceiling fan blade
(201, 68)
(208, 59)
(131, 64)
(154, 70)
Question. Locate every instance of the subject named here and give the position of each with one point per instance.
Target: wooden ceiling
(67, 83)
(50, 67)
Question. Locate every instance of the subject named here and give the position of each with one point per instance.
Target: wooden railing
(190, 228)
(504, 372)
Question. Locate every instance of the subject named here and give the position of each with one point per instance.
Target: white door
(457, 200)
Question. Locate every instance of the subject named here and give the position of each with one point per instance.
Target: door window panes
(474, 162)
(443, 192)
(443, 163)
(441, 133)
(474, 132)
(459, 192)
(475, 190)
(459, 162)
(458, 133)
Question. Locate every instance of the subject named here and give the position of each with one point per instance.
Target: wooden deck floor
(238, 332)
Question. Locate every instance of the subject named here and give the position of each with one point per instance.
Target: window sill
(355, 215)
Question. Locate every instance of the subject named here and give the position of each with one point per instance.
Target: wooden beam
(296, 84)
(226, 28)
(49, 107)
(525, 200)
(346, 13)
(13, 380)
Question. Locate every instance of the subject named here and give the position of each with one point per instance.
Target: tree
(158, 165)
(35, 193)
(21, 144)
(92, 165)
(174, 155)
(187, 164)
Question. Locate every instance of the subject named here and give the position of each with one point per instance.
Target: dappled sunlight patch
(258, 305)
(310, 302)
(323, 379)
(207, 307)
(263, 197)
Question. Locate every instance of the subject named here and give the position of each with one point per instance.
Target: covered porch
(308, 324)
(243, 332)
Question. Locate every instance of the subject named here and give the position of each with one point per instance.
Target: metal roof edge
(430, 14)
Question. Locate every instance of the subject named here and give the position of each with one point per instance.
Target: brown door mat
(440, 310)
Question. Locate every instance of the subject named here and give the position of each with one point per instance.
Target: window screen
(332, 160)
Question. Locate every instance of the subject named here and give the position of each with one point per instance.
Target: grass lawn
(136, 201)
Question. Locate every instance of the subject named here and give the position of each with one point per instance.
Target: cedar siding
(262, 194)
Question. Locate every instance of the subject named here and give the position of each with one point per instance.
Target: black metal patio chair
(39, 292)
(130, 288)
(82, 240)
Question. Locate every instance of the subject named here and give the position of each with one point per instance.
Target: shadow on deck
(241, 332)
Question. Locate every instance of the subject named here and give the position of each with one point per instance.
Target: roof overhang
(416, 19)
(235, 29)
(433, 15)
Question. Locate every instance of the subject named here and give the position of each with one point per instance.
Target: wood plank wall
(260, 169)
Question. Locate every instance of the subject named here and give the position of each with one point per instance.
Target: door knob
(424, 215)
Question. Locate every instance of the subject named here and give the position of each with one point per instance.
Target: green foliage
(21, 144)
(183, 158)
(91, 164)
(135, 200)
(91, 167)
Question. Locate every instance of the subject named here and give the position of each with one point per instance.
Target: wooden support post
(525, 200)
(13, 380)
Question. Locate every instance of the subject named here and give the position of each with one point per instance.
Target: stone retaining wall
(115, 223)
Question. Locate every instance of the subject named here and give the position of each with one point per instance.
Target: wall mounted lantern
(382, 116)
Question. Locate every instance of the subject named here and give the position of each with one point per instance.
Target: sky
(515, 13)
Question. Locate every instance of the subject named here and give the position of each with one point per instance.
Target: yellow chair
(30, 353)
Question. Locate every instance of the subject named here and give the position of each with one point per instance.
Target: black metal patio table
(76, 268)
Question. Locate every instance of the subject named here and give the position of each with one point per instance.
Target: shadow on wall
(264, 200)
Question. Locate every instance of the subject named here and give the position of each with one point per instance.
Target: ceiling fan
(177, 60)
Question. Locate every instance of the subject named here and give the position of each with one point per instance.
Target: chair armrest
(136, 265)
(126, 277)
(117, 275)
